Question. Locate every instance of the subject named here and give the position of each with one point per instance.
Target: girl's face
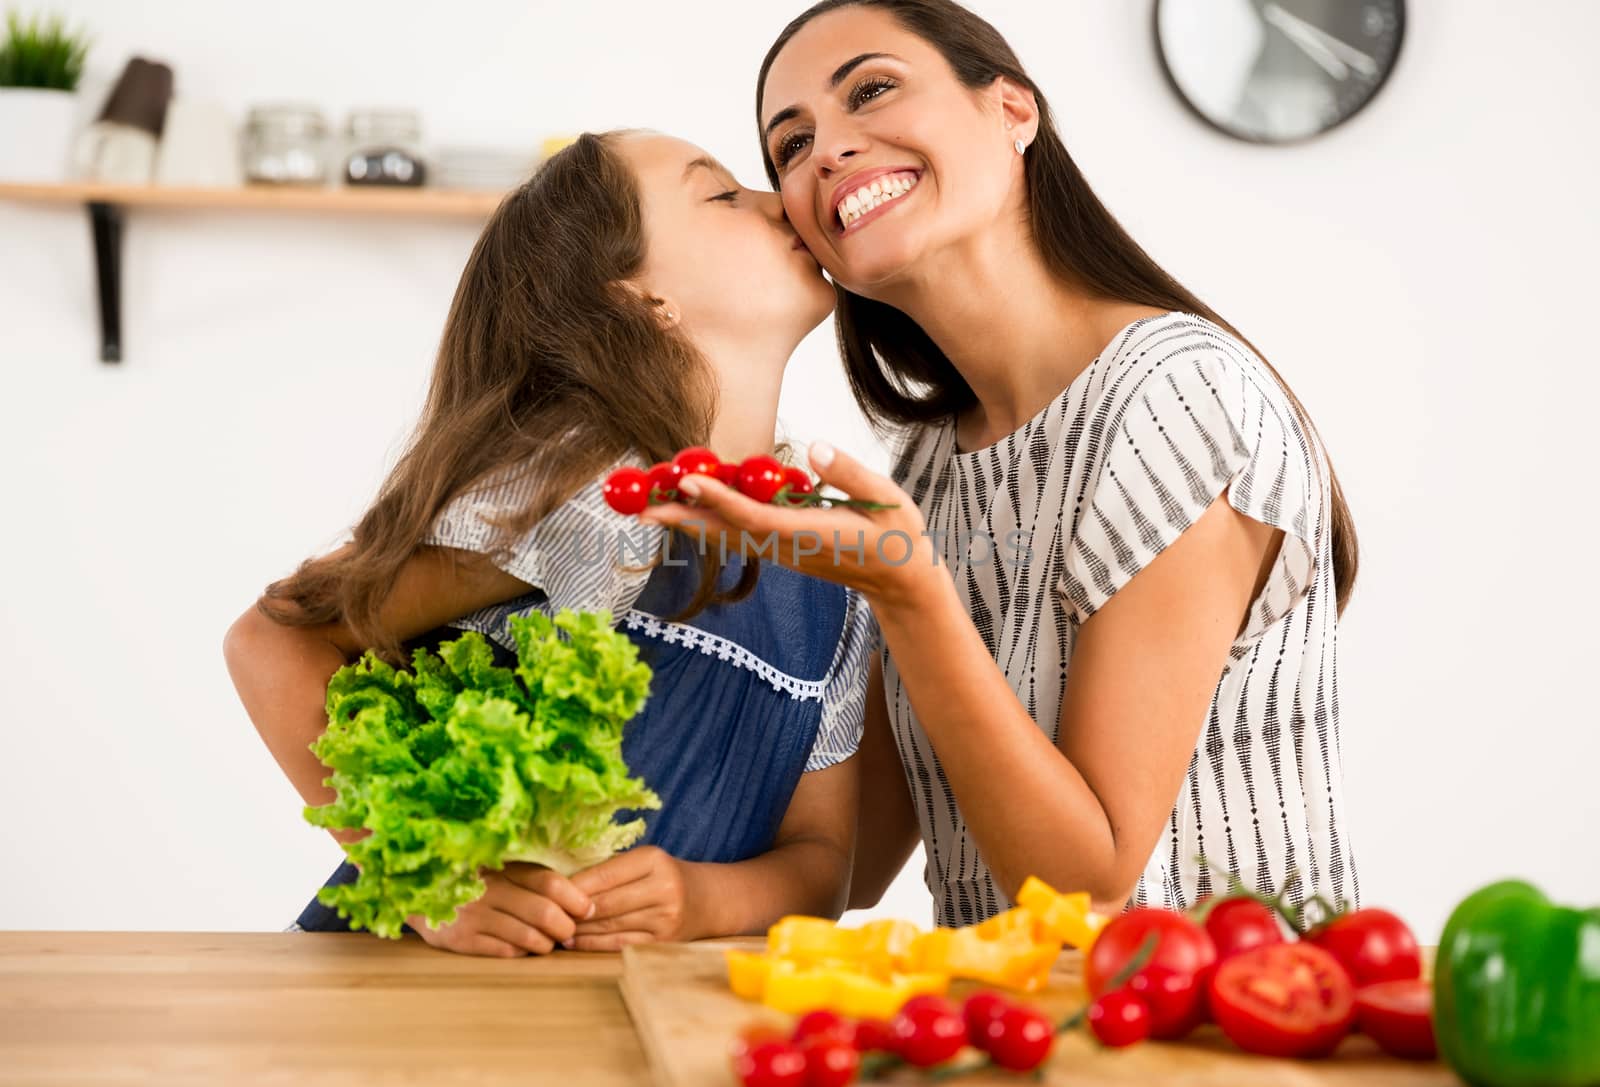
(883, 157)
(724, 262)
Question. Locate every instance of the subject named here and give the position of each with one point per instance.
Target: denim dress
(744, 699)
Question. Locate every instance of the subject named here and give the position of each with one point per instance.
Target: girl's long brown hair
(549, 367)
(898, 374)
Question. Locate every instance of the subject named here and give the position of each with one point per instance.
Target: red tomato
(1020, 1039)
(1398, 1015)
(697, 460)
(824, 1022)
(874, 1035)
(1173, 998)
(1119, 1018)
(1283, 1000)
(1238, 924)
(760, 477)
(664, 480)
(1182, 947)
(927, 1035)
(728, 474)
(929, 1002)
(979, 1010)
(798, 481)
(1373, 945)
(754, 1035)
(830, 1062)
(627, 490)
(771, 1064)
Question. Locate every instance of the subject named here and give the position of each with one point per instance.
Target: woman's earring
(1020, 146)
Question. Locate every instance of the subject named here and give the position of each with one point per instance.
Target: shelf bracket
(105, 223)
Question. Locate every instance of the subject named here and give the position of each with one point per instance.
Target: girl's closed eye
(731, 196)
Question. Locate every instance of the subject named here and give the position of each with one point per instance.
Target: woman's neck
(1011, 328)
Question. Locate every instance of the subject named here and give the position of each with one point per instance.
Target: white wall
(1420, 276)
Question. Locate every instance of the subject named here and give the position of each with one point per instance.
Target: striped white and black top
(1041, 529)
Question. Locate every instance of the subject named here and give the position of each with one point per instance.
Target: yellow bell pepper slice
(1066, 917)
(747, 973)
(812, 940)
(887, 947)
(798, 990)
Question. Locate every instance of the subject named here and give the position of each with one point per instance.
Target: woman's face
(883, 157)
(720, 256)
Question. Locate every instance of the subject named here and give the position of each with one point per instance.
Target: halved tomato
(1283, 1000)
(1398, 1015)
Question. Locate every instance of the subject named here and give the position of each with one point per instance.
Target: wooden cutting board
(685, 1014)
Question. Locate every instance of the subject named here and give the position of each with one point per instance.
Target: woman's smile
(865, 196)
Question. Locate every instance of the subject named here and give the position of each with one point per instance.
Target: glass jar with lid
(383, 147)
(286, 144)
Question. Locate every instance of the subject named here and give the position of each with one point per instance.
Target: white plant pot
(36, 132)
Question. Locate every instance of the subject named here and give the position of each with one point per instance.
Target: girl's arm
(886, 824)
(282, 672)
(646, 894)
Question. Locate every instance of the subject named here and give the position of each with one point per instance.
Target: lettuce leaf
(459, 765)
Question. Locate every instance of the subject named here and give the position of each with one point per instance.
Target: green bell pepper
(1516, 990)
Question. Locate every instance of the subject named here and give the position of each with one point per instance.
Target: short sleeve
(1200, 421)
(582, 555)
(844, 698)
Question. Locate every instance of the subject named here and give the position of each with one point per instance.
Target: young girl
(1124, 674)
(594, 325)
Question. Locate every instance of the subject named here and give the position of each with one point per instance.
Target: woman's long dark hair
(898, 374)
(548, 367)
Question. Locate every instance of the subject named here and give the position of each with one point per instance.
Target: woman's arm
(1084, 814)
(646, 894)
(886, 824)
(282, 672)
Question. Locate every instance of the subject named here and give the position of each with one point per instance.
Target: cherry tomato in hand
(979, 1010)
(627, 490)
(1238, 924)
(927, 1035)
(830, 1062)
(1398, 1015)
(1284, 1000)
(797, 481)
(1119, 1018)
(664, 479)
(1020, 1039)
(697, 460)
(728, 475)
(1372, 945)
(1182, 947)
(760, 477)
(1174, 999)
(771, 1064)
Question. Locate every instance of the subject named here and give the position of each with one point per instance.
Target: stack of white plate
(495, 169)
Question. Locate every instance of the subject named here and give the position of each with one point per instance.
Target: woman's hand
(885, 554)
(640, 896)
(527, 910)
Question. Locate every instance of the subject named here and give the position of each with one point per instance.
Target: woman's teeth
(881, 191)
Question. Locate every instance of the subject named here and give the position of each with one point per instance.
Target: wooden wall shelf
(107, 205)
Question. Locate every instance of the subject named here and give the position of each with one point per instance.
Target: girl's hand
(527, 910)
(885, 554)
(639, 896)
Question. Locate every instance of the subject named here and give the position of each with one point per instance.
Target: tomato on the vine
(1182, 948)
(1372, 944)
(697, 460)
(830, 1062)
(823, 1022)
(771, 1064)
(1283, 1000)
(1119, 1018)
(1174, 998)
(727, 475)
(797, 481)
(980, 1009)
(664, 480)
(874, 1036)
(928, 1033)
(1019, 1039)
(627, 490)
(1239, 924)
(760, 477)
(1398, 1015)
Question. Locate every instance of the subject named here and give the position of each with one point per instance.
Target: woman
(592, 327)
(1123, 674)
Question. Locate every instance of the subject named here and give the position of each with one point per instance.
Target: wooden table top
(86, 1008)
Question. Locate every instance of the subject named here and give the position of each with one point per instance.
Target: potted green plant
(40, 64)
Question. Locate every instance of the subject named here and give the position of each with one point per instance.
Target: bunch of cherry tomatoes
(762, 478)
(1152, 973)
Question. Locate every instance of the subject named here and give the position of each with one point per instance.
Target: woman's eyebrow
(840, 74)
